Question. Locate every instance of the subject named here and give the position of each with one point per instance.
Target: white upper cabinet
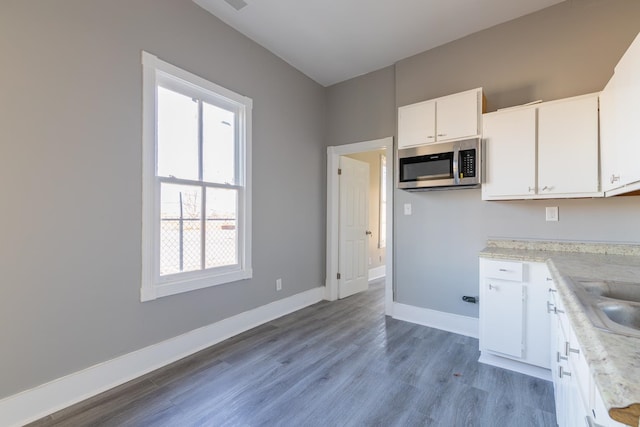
(548, 150)
(568, 146)
(417, 124)
(457, 116)
(621, 144)
(510, 150)
(451, 117)
(610, 162)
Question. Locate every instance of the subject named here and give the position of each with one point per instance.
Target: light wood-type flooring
(337, 363)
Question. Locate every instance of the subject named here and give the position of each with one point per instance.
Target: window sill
(155, 291)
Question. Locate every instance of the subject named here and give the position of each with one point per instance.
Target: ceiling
(335, 40)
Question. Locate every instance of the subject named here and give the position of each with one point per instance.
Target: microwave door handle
(456, 174)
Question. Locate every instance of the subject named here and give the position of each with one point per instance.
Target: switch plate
(278, 284)
(552, 213)
(407, 208)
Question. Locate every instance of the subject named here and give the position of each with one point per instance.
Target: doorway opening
(378, 258)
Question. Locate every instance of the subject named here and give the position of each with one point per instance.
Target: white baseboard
(450, 322)
(514, 365)
(45, 399)
(377, 273)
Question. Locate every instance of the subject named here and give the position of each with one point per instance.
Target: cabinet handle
(442, 134)
(532, 189)
(563, 373)
(548, 188)
(549, 279)
(551, 308)
(503, 269)
(431, 136)
(615, 178)
(559, 358)
(491, 287)
(568, 349)
(552, 290)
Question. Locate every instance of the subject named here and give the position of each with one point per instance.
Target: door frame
(333, 202)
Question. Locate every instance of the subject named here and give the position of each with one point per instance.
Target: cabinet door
(536, 317)
(568, 146)
(509, 154)
(457, 115)
(627, 99)
(416, 124)
(610, 161)
(502, 317)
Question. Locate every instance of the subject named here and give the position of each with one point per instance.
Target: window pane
(177, 135)
(180, 228)
(219, 154)
(222, 228)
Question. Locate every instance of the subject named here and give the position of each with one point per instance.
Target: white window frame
(153, 285)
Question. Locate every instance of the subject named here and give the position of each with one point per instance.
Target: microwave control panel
(467, 163)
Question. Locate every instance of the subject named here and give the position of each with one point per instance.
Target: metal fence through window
(181, 244)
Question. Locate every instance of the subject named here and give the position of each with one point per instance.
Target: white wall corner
(30, 405)
(450, 322)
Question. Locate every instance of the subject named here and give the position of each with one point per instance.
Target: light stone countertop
(614, 360)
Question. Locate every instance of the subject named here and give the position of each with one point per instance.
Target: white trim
(514, 365)
(635, 186)
(155, 72)
(450, 322)
(333, 158)
(377, 273)
(45, 399)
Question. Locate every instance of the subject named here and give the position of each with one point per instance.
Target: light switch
(552, 213)
(407, 208)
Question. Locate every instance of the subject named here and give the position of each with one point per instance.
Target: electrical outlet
(278, 284)
(552, 213)
(407, 208)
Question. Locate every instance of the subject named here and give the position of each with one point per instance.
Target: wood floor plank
(339, 363)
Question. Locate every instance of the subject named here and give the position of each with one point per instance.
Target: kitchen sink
(610, 289)
(622, 313)
(612, 306)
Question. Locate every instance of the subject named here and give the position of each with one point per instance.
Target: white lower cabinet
(514, 325)
(578, 401)
(524, 327)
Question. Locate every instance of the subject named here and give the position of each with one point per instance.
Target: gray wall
(70, 168)
(565, 50)
(361, 109)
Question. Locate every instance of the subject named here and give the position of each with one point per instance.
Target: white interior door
(353, 228)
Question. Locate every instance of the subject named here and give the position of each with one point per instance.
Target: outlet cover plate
(552, 213)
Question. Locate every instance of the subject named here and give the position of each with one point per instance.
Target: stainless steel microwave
(440, 166)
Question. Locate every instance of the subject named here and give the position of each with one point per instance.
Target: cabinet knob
(615, 178)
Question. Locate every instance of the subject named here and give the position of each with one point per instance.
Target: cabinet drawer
(505, 270)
